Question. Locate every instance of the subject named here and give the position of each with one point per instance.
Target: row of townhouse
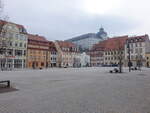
(116, 50)
(19, 49)
(68, 55)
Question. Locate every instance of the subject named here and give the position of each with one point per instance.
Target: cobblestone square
(78, 90)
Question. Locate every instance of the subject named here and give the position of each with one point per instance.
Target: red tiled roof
(36, 38)
(111, 44)
(52, 46)
(66, 44)
(2, 22)
(115, 43)
(51, 43)
(98, 47)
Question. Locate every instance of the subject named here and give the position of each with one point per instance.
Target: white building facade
(138, 46)
(53, 54)
(13, 47)
(85, 60)
(53, 58)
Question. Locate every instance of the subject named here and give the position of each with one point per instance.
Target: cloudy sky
(63, 19)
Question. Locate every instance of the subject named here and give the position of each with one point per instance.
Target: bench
(114, 71)
(6, 81)
(133, 68)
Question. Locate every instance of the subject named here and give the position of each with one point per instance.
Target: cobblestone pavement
(80, 90)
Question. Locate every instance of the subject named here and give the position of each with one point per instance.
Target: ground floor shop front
(9, 64)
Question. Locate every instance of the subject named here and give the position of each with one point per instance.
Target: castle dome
(102, 34)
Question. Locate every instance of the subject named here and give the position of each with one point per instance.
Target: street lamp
(129, 61)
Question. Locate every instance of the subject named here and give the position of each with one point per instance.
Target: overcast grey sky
(63, 19)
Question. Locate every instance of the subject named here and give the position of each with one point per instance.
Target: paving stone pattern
(80, 90)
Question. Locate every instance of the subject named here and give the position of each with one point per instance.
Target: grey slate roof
(81, 37)
(97, 35)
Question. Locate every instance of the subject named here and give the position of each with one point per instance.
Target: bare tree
(119, 54)
(1, 8)
(139, 60)
(4, 41)
(2, 16)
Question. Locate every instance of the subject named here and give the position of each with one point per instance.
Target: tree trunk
(120, 66)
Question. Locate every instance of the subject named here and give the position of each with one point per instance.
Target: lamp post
(129, 61)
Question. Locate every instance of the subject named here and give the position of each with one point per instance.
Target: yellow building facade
(38, 55)
(147, 59)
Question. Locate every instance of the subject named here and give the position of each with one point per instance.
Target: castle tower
(102, 34)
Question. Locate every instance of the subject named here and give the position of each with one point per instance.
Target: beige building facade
(68, 54)
(13, 46)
